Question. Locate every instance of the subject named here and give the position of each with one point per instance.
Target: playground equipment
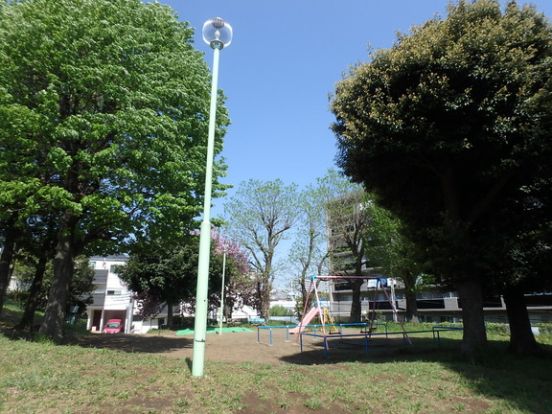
(311, 314)
(327, 328)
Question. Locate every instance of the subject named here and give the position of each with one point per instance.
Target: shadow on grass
(78, 335)
(524, 382)
(132, 343)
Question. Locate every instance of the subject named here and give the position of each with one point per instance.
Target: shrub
(279, 310)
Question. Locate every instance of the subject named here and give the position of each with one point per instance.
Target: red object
(113, 326)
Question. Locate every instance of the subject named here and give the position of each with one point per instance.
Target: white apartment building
(111, 297)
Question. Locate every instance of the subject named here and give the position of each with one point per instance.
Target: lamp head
(217, 33)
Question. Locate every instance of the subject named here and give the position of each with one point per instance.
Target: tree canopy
(107, 103)
(259, 216)
(451, 125)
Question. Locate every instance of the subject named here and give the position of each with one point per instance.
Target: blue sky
(281, 68)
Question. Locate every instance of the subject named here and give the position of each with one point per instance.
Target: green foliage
(389, 248)
(448, 128)
(259, 217)
(106, 108)
(435, 379)
(279, 310)
(159, 274)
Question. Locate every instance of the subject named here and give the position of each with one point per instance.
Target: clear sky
(281, 68)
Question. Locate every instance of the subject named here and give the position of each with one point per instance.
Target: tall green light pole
(217, 34)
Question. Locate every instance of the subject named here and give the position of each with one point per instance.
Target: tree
(388, 248)
(159, 274)
(239, 286)
(40, 246)
(309, 252)
(259, 215)
(37, 273)
(446, 127)
(347, 221)
(116, 100)
(18, 187)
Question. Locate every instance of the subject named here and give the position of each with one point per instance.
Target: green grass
(43, 377)
(213, 329)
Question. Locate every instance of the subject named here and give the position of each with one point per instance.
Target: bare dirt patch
(228, 347)
(470, 405)
(241, 347)
(295, 404)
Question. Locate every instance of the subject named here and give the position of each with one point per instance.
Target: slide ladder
(328, 320)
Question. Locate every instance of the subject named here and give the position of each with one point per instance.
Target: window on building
(113, 292)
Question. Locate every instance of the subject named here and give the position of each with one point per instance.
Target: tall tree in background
(309, 252)
(112, 101)
(259, 215)
(388, 248)
(347, 221)
(160, 275)
(448, 126)
(239, 286)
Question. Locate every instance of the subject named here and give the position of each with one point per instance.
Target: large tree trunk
(265, 304)
(411, 306)
(6, 260)
(54, 317)
(264, 290)
(307, 297)
(356, 309)
(471, 296)
(522, 340)
(34, 292)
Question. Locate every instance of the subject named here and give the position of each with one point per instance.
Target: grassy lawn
(423, 378)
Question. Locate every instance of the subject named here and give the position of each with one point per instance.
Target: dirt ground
(232, 347)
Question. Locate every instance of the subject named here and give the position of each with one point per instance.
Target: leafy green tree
(161, 275)
(112, 101)
(347, 220)
(259, 215)
(389, 248)
(448, 126)
(309, 252)
(18, 183)
(37, 273)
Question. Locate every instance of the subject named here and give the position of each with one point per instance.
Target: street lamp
(217, 34)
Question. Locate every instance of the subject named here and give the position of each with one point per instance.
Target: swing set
(329, 329)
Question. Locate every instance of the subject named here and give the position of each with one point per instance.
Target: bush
(279, 310)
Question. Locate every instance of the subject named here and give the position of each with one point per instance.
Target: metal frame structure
(367, 334)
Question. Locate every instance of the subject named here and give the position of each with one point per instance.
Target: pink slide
(306, 320)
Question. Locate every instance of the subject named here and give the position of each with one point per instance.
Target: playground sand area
(240, 347)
